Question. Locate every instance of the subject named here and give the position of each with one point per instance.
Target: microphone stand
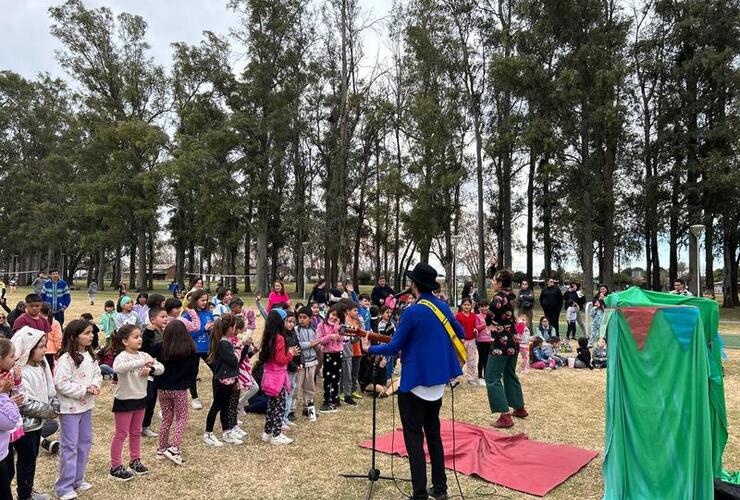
(373, 474)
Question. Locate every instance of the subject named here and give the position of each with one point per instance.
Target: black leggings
(220, 405)
(27, 449)
(194, 386)
(151, 402)
(233, 409)
(332, 376)
(483, 349)
(5, 477)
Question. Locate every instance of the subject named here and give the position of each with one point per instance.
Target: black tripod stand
(373, 474)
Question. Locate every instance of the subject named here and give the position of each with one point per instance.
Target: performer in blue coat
(428, 362)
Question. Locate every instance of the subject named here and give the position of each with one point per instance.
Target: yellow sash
(457, 344)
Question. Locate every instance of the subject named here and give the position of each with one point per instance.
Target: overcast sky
(28, 47)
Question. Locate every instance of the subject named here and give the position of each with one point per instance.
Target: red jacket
(468, 324)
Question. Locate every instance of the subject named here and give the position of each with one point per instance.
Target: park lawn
(566, 406)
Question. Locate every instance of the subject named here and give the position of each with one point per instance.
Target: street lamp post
(305, 273)
(697, 230)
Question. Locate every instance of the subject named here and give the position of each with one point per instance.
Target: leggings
(174, 406)
(233, 408)
(483, 349)
(27, 448)
(274, 415)
(5, 477)
(220, 405)
(151, 402)
(332, 375)
(127, 423)
(194, 386)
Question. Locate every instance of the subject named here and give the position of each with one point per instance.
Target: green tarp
(666, 423)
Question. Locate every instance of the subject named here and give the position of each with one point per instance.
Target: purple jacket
(9, 418)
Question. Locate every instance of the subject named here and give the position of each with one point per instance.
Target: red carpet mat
(513, 461)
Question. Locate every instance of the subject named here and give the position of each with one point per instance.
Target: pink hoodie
(276, 298)
(192, 324)
(330, 345)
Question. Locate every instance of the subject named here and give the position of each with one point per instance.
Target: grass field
(566, 406)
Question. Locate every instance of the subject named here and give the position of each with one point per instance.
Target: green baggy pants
(501, 396)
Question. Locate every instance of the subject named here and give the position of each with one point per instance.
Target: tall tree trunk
(546, 222)
(116, 279)
(262, 268)
(101, 269)
(133, 258)
(530, 216)
(609, 167)
(150, 256)
(587, 239)
(709, 250)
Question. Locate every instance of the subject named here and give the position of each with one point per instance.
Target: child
(524, 338)
(177, 354)
(152, 336)
(552, 349)
(545, 330)
(538, 359)
(201, 337)
(9, 414)
(77, 381)
(571, 315)
(365, 312)
(306, 385)
(173, 308)
(39, 392)
(238, 341)
(155, 300)
(133, 367)
(277, 295)
(141, 309)
(316, 318)
(108, 321)
(125, 314)
(96, 338)
(332, 345)
(599, 355)
(291, 340)
(597, 315)
(468, 320)
(225, 366)
(483, 340)
(274, 357)
(54, 342)
(351, 355)
(106, 356)
(33, 317)
(223, 299)
(583, 360)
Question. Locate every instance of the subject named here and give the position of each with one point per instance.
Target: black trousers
(26, 449)
(554, 318)
(420, 418)
(194, 386)
(151, 402)
(483, 349)
(220, 405)
(5, 477)
(332, 375)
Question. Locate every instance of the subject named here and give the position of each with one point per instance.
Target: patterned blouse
(503, 332)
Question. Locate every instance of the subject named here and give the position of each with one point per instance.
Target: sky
(28, 48)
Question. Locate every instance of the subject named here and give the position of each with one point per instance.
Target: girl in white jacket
(39, 404)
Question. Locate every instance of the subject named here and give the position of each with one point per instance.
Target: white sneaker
(481, 381)
(240, 433)
(281, 439)
(210, 440)
(84, 486)
(229, 438)
(148, 432)
(285, 427)
(197, 405)
(312, 414)
(266, 437)
(68, 496)
(37, 495)
(174, 455)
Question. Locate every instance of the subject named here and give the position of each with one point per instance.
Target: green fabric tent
(666, 422)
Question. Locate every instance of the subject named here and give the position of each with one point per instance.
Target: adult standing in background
(319, 294)
(38, 284)
(381, 291)
(551, 301)
(525, 303)
(56, 293)
(575, 294)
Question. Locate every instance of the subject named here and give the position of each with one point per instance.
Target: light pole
(697, 230)
(305, 274)
(455, 240)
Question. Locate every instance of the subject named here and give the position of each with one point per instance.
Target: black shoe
(121, 474)
(305, 412)
(337, 403)
(327, 408)
(350, 401)
(138, 468)
(51, 447)
(436, 496)
(291, 417)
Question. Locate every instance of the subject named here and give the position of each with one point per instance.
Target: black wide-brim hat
(424, 275)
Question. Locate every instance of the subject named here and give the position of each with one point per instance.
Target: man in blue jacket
(428, 362)
(56, 293)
